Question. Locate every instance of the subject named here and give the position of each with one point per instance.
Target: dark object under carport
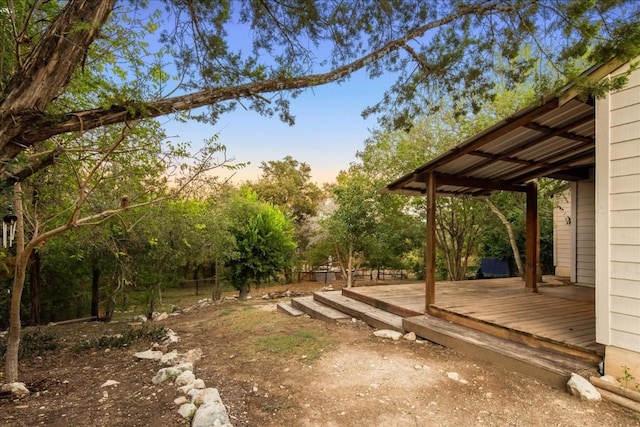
(493, 267)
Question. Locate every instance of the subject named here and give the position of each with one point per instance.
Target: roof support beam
(548, 166)
(430, 245)
(531, 255)
(487, 184)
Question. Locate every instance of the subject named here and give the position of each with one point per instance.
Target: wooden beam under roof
(551, 163)
(489, 184)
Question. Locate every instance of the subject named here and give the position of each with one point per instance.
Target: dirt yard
(275, 370)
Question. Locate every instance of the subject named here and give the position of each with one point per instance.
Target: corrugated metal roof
(553, 139)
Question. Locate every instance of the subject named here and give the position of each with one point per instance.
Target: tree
(440, 50)
(458, 229)
(263, 241)
(287, 184)
(353, 220)
(89, 191)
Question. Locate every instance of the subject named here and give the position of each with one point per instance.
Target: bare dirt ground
(333, 375)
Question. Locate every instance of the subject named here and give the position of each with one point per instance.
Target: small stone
(169, 358)
(159, 316)
(184, 366)
(185, 388)
(187, 410)
(186, 377)
(17, 389)
(110, 383)
(149, 354)
(387, 333)
(166, 374)
(410, 336)
(580, 387)
(180, 401)
(456, 377)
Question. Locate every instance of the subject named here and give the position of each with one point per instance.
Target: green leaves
(263, 238)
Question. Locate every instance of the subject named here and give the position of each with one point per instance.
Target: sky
(329, 130)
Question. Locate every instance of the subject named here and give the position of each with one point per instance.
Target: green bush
(124, 339)
(32, 344)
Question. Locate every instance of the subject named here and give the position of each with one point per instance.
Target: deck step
(550, 368)
(287, 308)
(373, 316)
(318, 310)
(588, 354)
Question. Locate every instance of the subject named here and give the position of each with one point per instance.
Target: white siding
(562, 241)
(585, 227)
(618, 217)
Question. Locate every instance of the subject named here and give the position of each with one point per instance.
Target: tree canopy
(436, 48)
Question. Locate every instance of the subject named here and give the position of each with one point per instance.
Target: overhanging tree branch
(26, 124)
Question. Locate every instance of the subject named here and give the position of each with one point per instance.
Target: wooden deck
(560, 318)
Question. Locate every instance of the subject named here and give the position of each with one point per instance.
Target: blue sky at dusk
(329, 129)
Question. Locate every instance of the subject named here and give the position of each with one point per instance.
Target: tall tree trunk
(195, 277)
(512, 237)
(350, 266)
(35, 280)
(95, 291)
(217, 286)
(244, 291)
(20, 272)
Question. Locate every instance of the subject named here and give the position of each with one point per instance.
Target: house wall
(618, 228)
(585, 233)
(562, 237)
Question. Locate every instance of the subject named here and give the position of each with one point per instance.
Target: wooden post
(531, 255)
(430, 246)
(538, 251)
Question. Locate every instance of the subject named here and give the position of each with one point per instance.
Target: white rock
(410, 336)
(169, 358)
(184, 366)
(166, 374)
(187, 410)
(180, 401)
(109, 383)
(199, 384)
(453, 376)
(212, 412)
(170, 338)
(192, 356)
(140, 318)
(186, 377)
(149, 354)
(579, 386)
(19, 390)
(387, 333)
(159, 316)
(185, 388)
(194, 393)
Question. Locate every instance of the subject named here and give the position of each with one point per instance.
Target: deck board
(560, 314)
